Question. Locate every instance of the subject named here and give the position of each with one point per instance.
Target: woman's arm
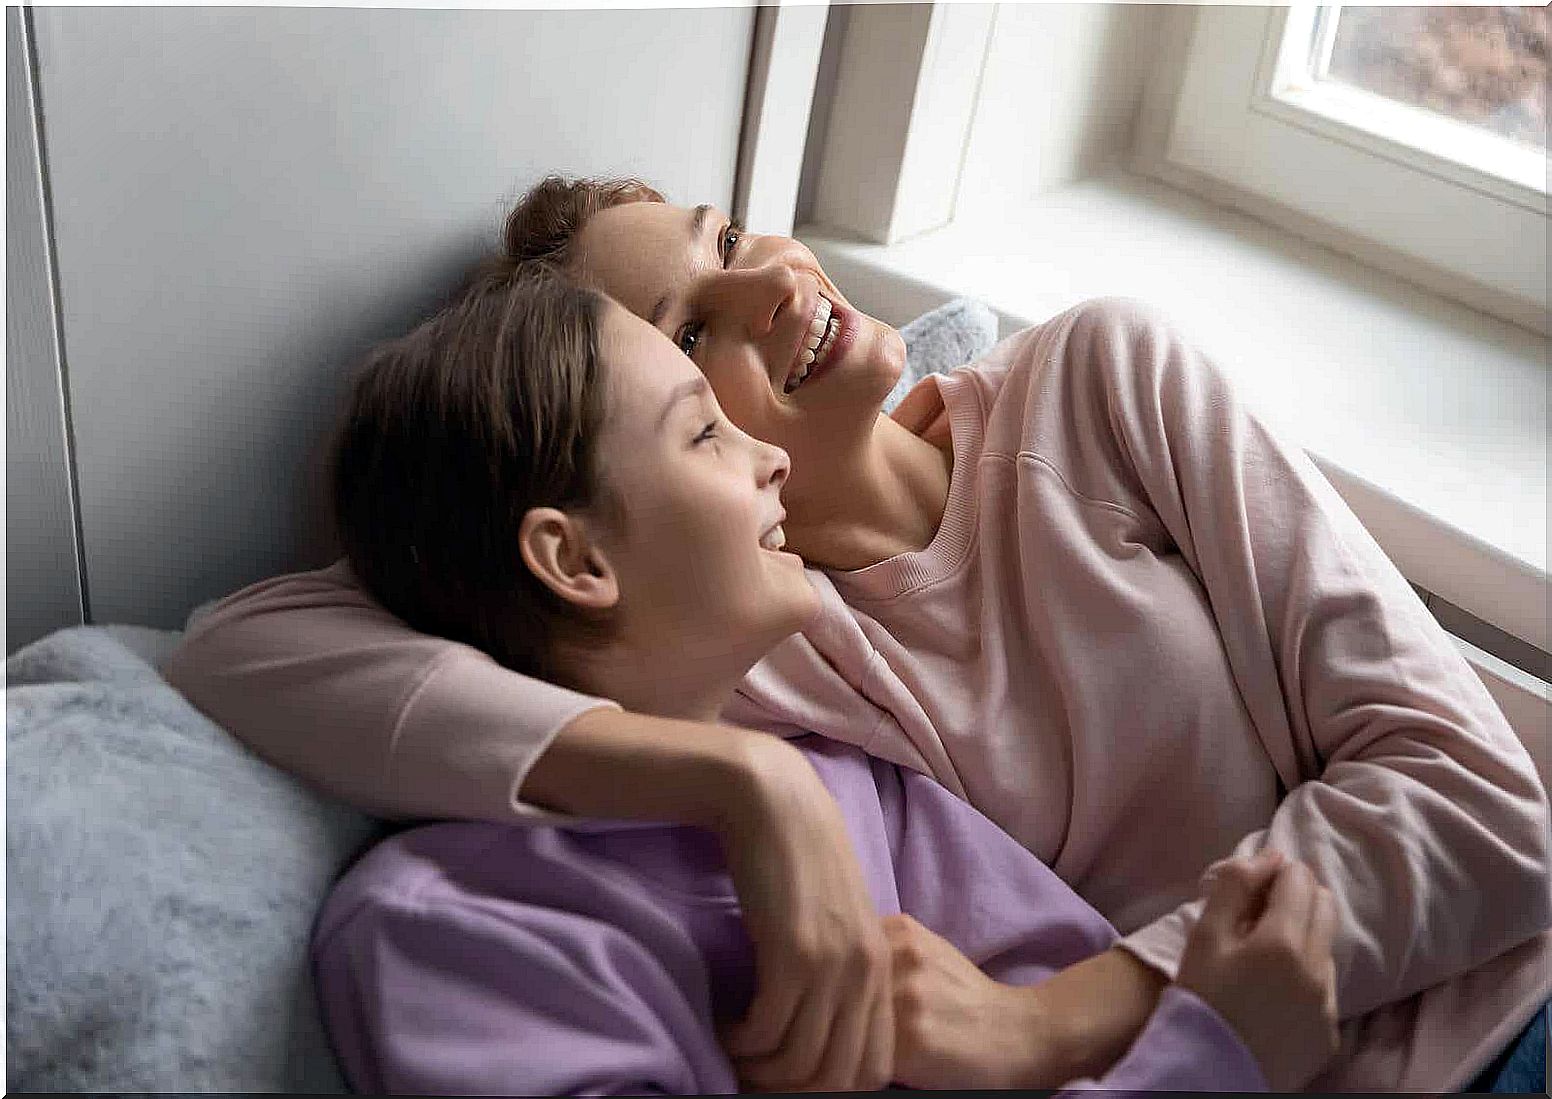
(323, 682)
(1408, 794)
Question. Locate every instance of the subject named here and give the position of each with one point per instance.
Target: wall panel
(245, 198)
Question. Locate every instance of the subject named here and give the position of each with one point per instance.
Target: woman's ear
(557, 548)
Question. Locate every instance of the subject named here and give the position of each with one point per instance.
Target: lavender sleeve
(590, 989)
(959, 874)
(1186, 1046)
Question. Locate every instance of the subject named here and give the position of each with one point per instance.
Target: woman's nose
(757, 294)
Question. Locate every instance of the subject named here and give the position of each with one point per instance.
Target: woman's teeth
(774, 539)
(816, 345)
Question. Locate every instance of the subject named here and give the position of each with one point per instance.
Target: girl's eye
(690, 338)
(707, 432)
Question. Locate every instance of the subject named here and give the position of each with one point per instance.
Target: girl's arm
(321, 681)
(1257, 985)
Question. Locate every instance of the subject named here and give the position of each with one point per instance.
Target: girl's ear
(557, 549)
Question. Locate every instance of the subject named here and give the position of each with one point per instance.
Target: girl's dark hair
(452, 433)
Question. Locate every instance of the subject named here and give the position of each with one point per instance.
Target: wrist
(615, 763)
(1089, 1014)
(756, 776)
(1052, 1050)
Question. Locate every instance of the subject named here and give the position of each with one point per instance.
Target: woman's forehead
(642, 253)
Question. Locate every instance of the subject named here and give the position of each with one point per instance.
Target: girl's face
(697, 549)
(745, 309)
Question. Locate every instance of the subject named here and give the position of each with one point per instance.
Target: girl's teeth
(807, 356)
(774, 540)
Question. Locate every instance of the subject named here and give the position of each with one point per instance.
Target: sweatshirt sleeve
(1185, 1047)
(509, 998)
(1408, 793)
(317, 678)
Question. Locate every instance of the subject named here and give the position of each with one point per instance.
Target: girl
(1078, 583)
(539, 419)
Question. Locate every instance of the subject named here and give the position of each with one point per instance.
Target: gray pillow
(947, 337)
(161, 885)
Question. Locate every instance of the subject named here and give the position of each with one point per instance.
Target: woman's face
(745, 308)
(697, 552)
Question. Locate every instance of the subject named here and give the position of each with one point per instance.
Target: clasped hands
(1261, 955)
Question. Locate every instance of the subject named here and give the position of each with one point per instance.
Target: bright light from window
(1459, 92)
(1479, 65)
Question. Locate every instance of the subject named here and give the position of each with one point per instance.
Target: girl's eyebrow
(697, 227)
(692, 388)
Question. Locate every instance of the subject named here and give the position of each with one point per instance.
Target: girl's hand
(1261, 956)
(955, 1027)
(821, 1018)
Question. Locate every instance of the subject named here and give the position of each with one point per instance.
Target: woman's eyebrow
(697, 227)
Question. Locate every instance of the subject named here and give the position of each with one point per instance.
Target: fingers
(1322, 927)
(771, 1012)
(848, 1060)
(798, 1057)
(1235, 889)
(879, 1063)
(1290, 906)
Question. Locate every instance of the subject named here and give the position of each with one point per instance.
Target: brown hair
(541, 229)
(452, 433)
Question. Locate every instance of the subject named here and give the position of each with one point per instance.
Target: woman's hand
(1261, 957)
(955, 1027)
(821, 1018)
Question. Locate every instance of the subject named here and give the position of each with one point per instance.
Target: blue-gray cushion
(161, 885)
(949, 336)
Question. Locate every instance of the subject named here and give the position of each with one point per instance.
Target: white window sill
(1429, 417)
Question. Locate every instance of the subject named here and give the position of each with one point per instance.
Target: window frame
(1479, 237)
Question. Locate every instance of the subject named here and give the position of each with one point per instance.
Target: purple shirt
(466, 958)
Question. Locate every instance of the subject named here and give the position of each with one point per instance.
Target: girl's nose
(774, 465)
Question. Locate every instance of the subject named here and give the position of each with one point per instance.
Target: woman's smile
(836, 337)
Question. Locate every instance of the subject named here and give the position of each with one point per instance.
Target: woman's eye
(730, 238)
(707, 432)
(690, 339)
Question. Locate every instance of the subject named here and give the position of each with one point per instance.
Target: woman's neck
(890, 502)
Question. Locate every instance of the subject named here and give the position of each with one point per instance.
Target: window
(1464, 85)
(1483, 66)
(1421, 130)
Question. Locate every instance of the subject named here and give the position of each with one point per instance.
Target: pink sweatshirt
(1147, 635)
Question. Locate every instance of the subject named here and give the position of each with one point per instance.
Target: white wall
(244, 198)
(1059, 97)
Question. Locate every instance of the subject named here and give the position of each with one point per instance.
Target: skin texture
(695, 598)
(696, 601)
(862, 488)
(735, 308)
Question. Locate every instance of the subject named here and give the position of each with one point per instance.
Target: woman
(1078, 583)
(479, 958)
